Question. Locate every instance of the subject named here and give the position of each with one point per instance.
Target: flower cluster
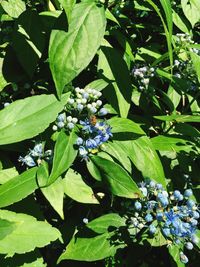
(93, 134)
(143, 75)
(83, 109)
(35, 156)
(174, 214)
(184, 40)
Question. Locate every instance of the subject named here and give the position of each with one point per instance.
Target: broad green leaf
(115, 150)
(174, 251)
(28, 40)
(101, 225)
(26, 118)
(143, 155)
(157, 240)
(180, 23)
(117, 179)
(54, 193)
(179, 118)
(91, 249)
(93, 170)
(13, 7)
(6, 228)
(77, 189)
(18, 187)
(174, 96)
(64, 154)
(191, 10)
(99, 84)
(7, 174)
(38, 263)
(167, 27)
(121, 125)
(172, 143)
(112, 67)
(68, 6)
(3, 81)
(67, 54)
(196, 62)
(28, 234)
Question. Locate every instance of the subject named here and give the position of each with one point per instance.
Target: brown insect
(93, 120)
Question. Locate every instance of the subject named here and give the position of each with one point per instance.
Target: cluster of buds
(35, 156)
(185, 40)
(176, 215)
(87, 100)
(143, 75)
(83, 110)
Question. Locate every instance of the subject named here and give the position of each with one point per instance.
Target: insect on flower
(93, 120)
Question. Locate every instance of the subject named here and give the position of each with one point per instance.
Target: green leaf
(121, 125)
(29, 40)
(26, 118)
(174, 96)
(172, 143)
(7, 174)
(180, 23)
(143, 155)
(179, 118)
(28, 234)
(18, 188)
(191, 10)
(67, 54)
(99, 84)
(68, 6)
(38, 263)
(77, 189)
(196, 62)
(6, 228)
(117, 179)
(54, 193)
(13, 7)
(112, 67)
(91, 249)
(174, 251)
(64, 154)
(115, 150)
(101, 225)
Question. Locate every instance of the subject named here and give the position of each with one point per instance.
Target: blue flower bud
(79, 141)
(148, 218)
(194, 239)
(189, 245)
(190, 203)
(90, 144)
(152, 229)
(166, 231)
(61, 117)
(80, 107)
(194, 222)
(195, 215)
(70, 125)
(159, 186)
(183, 258)
(159, 216)
(93, 110)
(85, 95)
(188, 193)
(71, 101)
(60, 124)
(103, 112)
(176, 193)
(152, 184)
(138, 205)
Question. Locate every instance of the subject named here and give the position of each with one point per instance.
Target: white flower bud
(69, 118)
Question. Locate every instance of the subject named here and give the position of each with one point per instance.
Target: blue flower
(83, 152)
(148, 217)
(37, 151)
(28, 160)
(87, 127)
(90, 144)
(166, 231)
(162, 199)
